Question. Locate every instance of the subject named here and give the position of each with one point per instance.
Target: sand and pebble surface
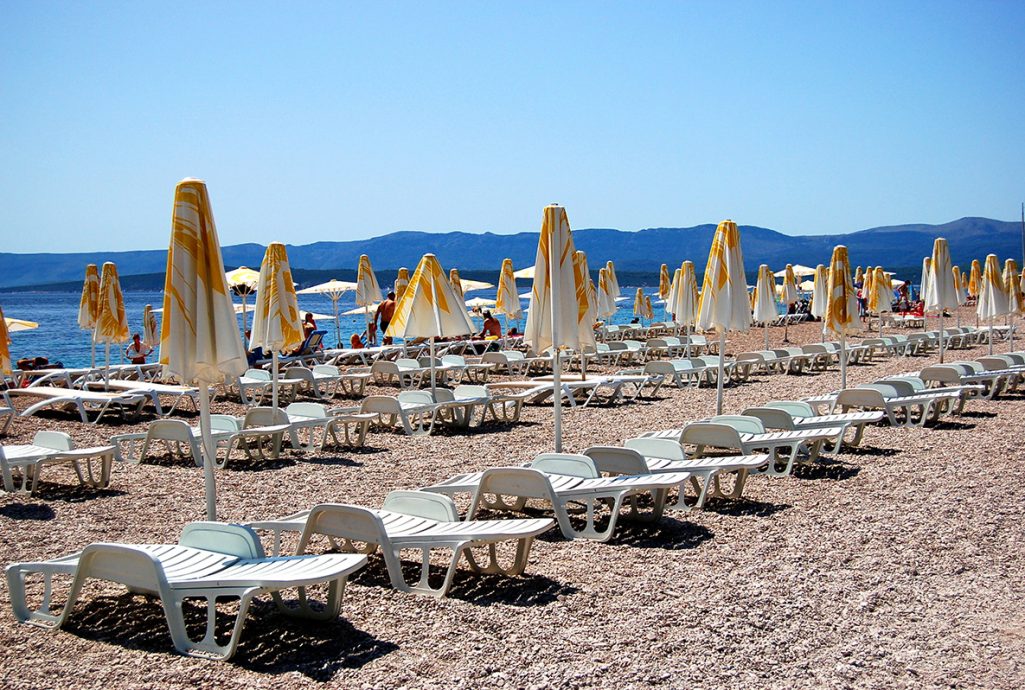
(898, 565)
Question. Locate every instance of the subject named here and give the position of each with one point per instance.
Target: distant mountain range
(639, 252)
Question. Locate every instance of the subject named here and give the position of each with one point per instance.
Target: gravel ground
(896, 565)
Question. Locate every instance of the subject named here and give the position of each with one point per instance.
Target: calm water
(59, 338)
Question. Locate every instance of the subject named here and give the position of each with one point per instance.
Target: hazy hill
(642, 251)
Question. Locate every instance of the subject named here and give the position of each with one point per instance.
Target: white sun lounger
(81, 401)
(153, 391)
(211, 561)
(416, 520)
(900, 410)
(790, 415)
(560, 479)
(26, 462)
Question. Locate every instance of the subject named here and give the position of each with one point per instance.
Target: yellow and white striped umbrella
(5, 347)
(613, 280)
(1012, 279)
(582, 281)
(507, 301)
(975, 279)
(843, 307)
(639, 303)
(993, 296)
(859, 276)
(554, 268)
(199, 338)
(790, 292)
(18, 325)
(685, 300)
(765, 297)
(242, 279)
(89, 302)
(960, 283)
(674, 288)
(606, 302)
(457, 284)
(664, 282)
(925, 289)
(724, 305)
(649, 312)
(880, 297)
(276, 321)
(367, 290)
(867, 286)
(429, 308)
(942, 293)
(111, 321)
(820, 293)
(401, 282)
(150, 333)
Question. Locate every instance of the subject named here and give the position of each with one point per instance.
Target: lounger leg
(206, 648)
(493, 567)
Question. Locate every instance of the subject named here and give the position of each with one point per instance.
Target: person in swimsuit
(385, 312)
(137, 351)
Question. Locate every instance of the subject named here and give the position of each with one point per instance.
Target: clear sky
(342, 120)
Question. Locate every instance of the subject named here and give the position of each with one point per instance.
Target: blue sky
(337, 121)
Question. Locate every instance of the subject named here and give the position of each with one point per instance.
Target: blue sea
(59, 338)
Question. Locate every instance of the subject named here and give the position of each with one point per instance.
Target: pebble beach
(894, 564)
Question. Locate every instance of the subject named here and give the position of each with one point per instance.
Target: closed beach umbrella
(926, 285)
(613, 280)
(5, 347)
(111, 320)
(664, 283)
(942, 294)
(685, 300)
(456, 283)
(975, 279)
(790, 296)
(508, 299)
(368, 292)
(589, 297)
(674, 287)
(765, 299)
(723, 305)
(199, 339)
(649, 312)
(820, 293)
(556, 305)
(639, 309)
(89, 306)
(880, 295)
(401, 281)
(333, 289)
(1015, 298)
(960, 285)
(276, 324)
(606, 300)
(149, 327)
(429, 308)
(993, 297)
(859, 276)
(843, 307)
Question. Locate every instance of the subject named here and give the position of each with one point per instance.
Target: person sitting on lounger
(355, 342)
(492, 328)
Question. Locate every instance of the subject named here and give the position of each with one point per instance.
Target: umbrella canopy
(613, 280)
(507, 300)
(942, 293)
(456, 283)
(524, 273)
(820, 293)
(5, 347)
(685, 304)
(649, 313)
(479, 302)
(993, 295)
(799, 270)
(199, 338)
(150, 334)
(429, 308)
(276, 324)
(89, 302)
(370, 308)
(790, 291)
(367, 289)
(765, 296)
(960, 285)
(842, 313)
(606, 301)
(111, 321)
(19, 325)
(926, 286)
(639, 303)
(975, 279)
(472, 285)
(242, 279)
(880, 296)
(587, 296)
(558, 305)
(1015, 298)
(401, 282)
(724, 305)
(664, 282)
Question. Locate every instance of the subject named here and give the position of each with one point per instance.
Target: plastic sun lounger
(211, 561)
(153, 391)
(178, 438)
(560, 479)
(900, 410)
(411, 411)
(52, 448)
(657, 455)
(416, 520)
(794, 415)
(82, 401)
(7, 415)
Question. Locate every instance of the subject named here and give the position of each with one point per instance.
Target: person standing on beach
(385, 312)
(138, 350)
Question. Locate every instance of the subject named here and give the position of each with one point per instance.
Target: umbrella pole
(686, 350)
(245, 340)
(106, 370)
(274, 379)
(718, 379)
(92, 353)
(767, 335)
(338, 332)
(209, 451)
(1010, 332)
(553, 285)
(941, 336)
(843, 361)
(990, 336)
(432, 369)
